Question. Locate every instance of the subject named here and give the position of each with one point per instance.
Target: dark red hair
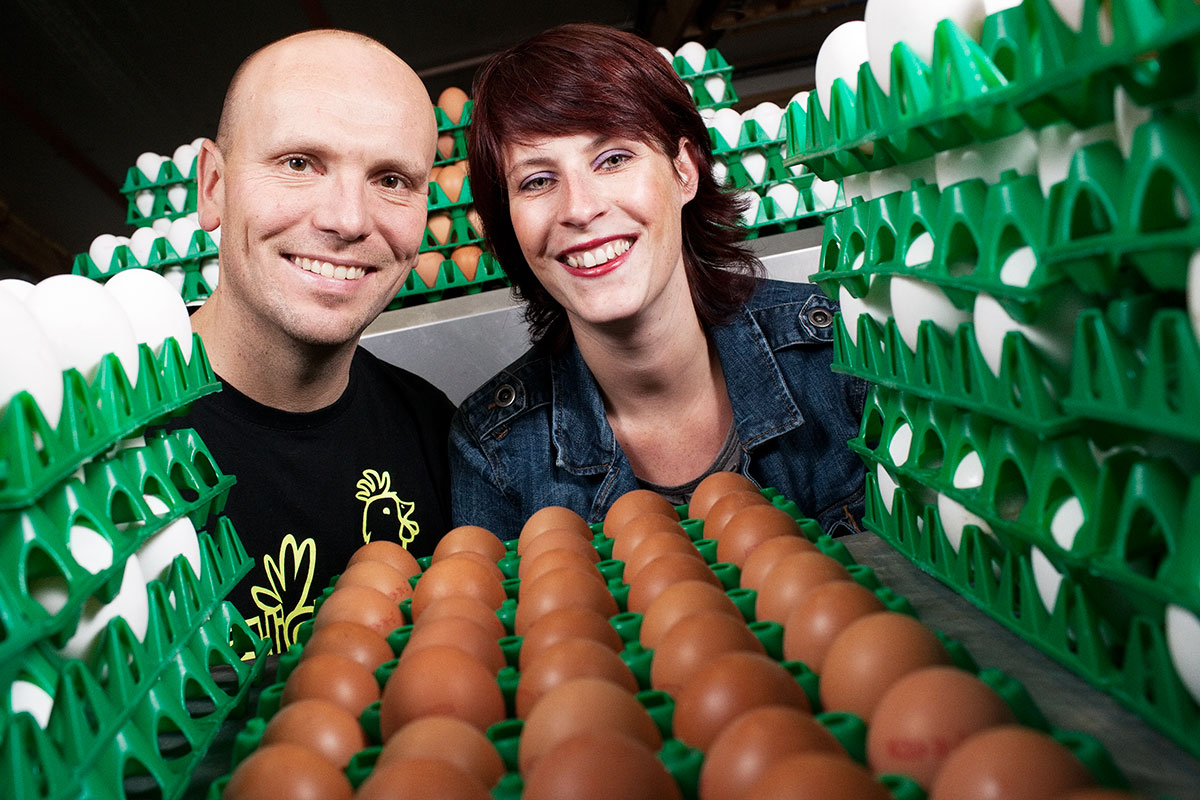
(584, 78)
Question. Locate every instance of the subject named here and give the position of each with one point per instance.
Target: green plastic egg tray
(440, 201)
(34, 456)
(162, 208)
(457, 130)
(1029, 69)
(451, 282)
(715, 65)
(462, 233)
(771, 219)
(162, 256)
(774, 172)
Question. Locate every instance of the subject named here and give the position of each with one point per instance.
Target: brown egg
(764, 558)
(556, 539)
(421, 779)
(1010, 762)
(356, 642)
(634, 504)
(458, 574)
(461, 605)
(332, 677)
(548, 518)
(360, 604)
(1098, 793)
(925, 715)
(824, 613)
(565, 624)
(663, 571)
(466, 258)
(727, 687)
(433, 173)
(560, 588)
(451, 179)
(695, 641)
(568, 659)
(491, 565)
(791, 580)
(749, 528)
(476, 222)
(681, 600)
(429, 267)
(870, 655)
(446, 739)
(461, 633)
(440, 225)
(445, 145)
(817, 776)
(723, 510)
(471, 539)
(286, 770)
(713, 488)
(440, 681)
(655, 545)
(451, 100)
(754, 741)
(377, 575)
(638, 528)
(600, 765)
(324, 726)
(395, 555)
(578, 706)
(530, 567)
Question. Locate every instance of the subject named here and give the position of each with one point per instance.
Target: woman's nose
(581, 202)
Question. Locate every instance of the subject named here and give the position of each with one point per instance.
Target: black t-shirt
(313, 487)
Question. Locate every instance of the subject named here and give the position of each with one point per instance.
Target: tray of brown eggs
(728, 649)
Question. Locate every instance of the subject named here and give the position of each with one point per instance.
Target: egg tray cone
(461, 234)
(162, 208)
(1028, 69)
(34, 456)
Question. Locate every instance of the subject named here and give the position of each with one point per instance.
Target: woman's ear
(210, 185)
(686, 167)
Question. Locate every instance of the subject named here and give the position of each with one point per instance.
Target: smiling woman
(660, 355)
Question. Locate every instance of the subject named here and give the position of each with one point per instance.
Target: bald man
(318, 179)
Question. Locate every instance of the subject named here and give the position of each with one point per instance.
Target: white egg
(1183, 642)
(841, 54)
(1066, 522)
(198, 142)
(1019, 266)
(144, 200)
(16, 287)
(920, 250)
(914, 301)
(177, 538)
(210, 271)
(694, 54)
(161, 226)
(720, 172)
(141, 244)
(180, 234)
(955, 518)
(900, 177)
(755, 164)
(32, 699)
(1046, 577)
(876, 304)
(754, 202)
(1052, 334)
(770, 118)
(787, 199)
(1127, 117)
(130, 603)
(177, 196)
(176, 276)
(801, 98)
(83, 323)
(887, 487)
(729, 124)
(825, 193)
(184, 157)
(1193, 292)
(900, 446)
(90, 549)
(857, 186)
(987, 160)
(156, 311)
(969, 472)
(715, 86)
(993, 6)
(665, 53)
(149, 164)
(1057, 145)
(27, 360)
(889, 22)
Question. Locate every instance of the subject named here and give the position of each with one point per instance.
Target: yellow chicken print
(385, 514)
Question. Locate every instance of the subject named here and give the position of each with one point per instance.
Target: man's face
(320, 190)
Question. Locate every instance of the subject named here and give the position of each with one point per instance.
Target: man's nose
(343, 208)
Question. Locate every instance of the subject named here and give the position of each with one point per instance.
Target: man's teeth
(340, 271)
(601, 255)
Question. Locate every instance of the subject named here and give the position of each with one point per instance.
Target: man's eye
(392, 182)
(297, 164)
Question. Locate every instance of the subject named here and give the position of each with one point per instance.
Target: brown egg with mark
(694, 642)
(466, 258)
(790, 582)
(725, 688)
(713, 488)
(360, 604)
(440, 681)
(396, 556)
(825, 612)
(548, 518)
(377, 575)
(470, 539)
(870, 655)
(461, 605)
(560, 588)
(447, 739)
(556, 539)
(680, 600)
(655, 545)
(531, 567)
(764, 558)
(429, 267)
(458, 632)
(726, 507)
(323, 725)
(563, 624)
(564, 661)
(440, 225)
(458, 574)
(638, 528)
(286, 770)
(925, 715)
(331, 677)
(600, 765)
(634, 504)
(817, 776)
(352, 640)
(751, 527)
(578, 706)
(663, 571)
(451, 100)
(451, 179)
(755, 740)
(1010, 762)
(421, 779)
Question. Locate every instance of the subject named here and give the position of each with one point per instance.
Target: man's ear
(210, 185)
(686, 167)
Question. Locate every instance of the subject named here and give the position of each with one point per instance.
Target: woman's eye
(612, 160)
(297, 164)
(535, 183)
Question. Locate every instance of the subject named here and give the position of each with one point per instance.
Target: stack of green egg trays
(715, 66)
(163, 258)
(1116, 234)
(682, 761)
(169, 175)
(137, 713)
(456, 130)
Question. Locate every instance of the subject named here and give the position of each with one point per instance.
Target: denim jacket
(536, 434)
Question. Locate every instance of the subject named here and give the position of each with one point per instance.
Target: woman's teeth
(601, 255)
(328, 270)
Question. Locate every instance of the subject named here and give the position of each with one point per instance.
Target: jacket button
(820, 317)
(505, 396)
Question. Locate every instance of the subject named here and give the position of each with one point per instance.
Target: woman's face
(598, 219)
